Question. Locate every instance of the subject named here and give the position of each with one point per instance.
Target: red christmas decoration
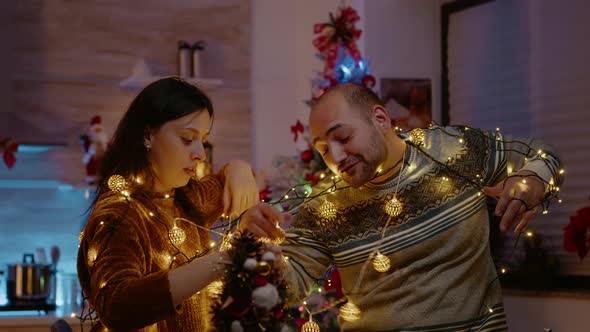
(94, 143)
(260, 281)
(335, 283)
(265, 195)
(296, 130)
(369, 81)
(311, 178)
(238, 305)
(8, 147)
(576, 237)
(306, 156)
(339, 31)
(299, 323)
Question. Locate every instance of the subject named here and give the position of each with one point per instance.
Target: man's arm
(527, 174)
(307, 258)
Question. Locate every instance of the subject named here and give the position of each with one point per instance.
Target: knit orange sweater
(130, 243)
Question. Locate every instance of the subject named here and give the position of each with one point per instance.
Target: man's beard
(366, 168)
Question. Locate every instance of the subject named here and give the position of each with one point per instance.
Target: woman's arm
(240, 191)
(190, 278)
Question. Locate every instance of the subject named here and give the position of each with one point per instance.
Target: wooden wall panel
(67, 58)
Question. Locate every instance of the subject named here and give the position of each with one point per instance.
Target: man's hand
(519, 199)
(240, 191)
(264, 221)
(279, 262)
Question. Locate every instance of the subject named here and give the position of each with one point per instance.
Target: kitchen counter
(36, 323)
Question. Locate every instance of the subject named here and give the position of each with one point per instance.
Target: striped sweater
(442, 276)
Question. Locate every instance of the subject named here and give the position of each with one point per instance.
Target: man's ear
(381, 118)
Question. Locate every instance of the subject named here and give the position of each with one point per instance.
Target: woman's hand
(240, 191)
(264, 221)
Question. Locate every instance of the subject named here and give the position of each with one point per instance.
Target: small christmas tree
(343, 63)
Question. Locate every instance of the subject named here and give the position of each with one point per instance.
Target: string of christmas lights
(416, 138)
(296, 198)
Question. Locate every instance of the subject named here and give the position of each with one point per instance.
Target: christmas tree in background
(343, 63)
(336, 44)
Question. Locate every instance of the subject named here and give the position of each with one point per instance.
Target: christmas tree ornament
(310, 326)
(262, 268)
(306, 156)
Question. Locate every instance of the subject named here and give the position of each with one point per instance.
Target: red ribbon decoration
(9, 148)
(339, 31)
(296, 129)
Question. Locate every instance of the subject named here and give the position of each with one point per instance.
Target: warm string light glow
(177, 235)
(381, 263)
(393, 207)
(310, 326)
(328, 210)
(417, 136)
(350, 312)
(215, 288)
(377, 261)
(117, 183)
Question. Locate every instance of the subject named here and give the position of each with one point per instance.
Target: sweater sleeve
(512, 154)
(308, 257)
(207, 196)
(113, 271)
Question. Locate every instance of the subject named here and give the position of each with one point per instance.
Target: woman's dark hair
(164, 100)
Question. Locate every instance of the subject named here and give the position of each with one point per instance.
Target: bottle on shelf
(184, 59)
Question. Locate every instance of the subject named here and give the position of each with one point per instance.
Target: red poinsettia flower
(576, 237)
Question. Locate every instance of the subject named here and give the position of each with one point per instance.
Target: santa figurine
(94, 143)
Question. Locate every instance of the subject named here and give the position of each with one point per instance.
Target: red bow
(9, 148)
(296, 129)
(339, 31)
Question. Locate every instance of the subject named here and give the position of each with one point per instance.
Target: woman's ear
(147, 139)
(381, 118)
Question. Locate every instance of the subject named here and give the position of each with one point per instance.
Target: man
(414, 202)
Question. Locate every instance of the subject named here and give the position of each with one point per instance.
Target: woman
(146, 253)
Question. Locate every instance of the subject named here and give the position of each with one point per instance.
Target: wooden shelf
(133, 83)
(138, 83)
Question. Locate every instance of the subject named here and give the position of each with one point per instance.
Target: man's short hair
(358, 96)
